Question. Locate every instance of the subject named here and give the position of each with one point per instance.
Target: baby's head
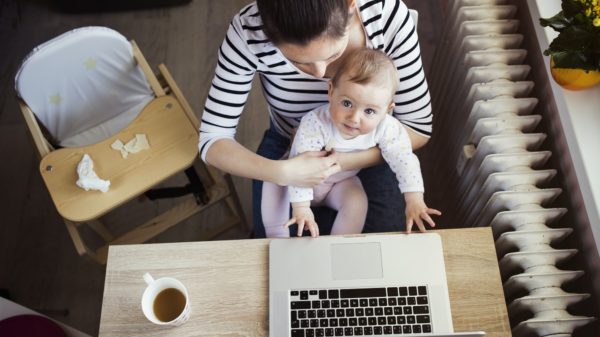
(361, 92)
(368, 67)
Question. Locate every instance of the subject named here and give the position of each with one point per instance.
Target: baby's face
(357, 109)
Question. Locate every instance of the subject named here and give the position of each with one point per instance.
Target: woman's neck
(357, 39)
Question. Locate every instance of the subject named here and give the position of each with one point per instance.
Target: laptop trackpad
(351, 261)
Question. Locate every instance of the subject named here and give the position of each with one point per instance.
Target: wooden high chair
(83, 87)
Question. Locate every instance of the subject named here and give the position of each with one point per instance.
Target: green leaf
(595, 46)
(573, 39)
(570, 60)
(571, 8)
(577, 45)
(557, 22)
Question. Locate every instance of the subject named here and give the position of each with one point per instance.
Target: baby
(356, 118)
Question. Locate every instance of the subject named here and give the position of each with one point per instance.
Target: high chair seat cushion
(84, 85)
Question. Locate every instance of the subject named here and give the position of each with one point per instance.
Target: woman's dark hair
(301, 21)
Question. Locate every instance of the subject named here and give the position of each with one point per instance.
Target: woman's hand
(417, 211)
(304, 217)
(308, 169)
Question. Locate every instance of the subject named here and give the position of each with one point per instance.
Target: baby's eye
(346, 103)
(370, 111)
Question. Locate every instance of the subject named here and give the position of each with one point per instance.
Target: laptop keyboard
(360, 311)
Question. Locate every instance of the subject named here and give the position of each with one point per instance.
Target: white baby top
(316, 130)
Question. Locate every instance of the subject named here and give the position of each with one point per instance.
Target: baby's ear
(390, 107)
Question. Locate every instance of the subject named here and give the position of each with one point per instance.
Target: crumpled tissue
(135, 145)
(88, 179)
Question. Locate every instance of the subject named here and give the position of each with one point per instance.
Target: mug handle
(148, 278)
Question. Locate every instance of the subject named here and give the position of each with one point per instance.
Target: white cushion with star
(84, 85)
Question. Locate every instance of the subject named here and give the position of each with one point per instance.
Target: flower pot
(574, 79)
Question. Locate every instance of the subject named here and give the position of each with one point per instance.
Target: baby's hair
(366, 66)
(301, 21)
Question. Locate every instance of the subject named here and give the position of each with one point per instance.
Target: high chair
(87, 88)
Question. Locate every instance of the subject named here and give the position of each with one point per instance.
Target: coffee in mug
(168, 304)
(165, 301)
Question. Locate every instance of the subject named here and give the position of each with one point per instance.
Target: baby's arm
(397, 152)
(304, 217)
(309, 137)
(416, 211)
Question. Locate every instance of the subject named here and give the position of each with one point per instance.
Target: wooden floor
(38, 263)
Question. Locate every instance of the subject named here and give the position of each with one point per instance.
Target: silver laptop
(391, 285)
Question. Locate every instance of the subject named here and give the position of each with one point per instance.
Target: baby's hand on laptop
(418, 212)
(304, 217)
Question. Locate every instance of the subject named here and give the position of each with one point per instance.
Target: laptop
(390, 285)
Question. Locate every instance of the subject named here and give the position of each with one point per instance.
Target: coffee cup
(165, 301)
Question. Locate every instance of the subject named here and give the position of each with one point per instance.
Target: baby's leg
(275, 208)
(349, 199)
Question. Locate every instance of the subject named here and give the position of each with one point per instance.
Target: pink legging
(346, 196)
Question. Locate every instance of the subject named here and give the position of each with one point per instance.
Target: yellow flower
(597, 22)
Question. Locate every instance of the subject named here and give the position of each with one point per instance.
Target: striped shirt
(291, 93)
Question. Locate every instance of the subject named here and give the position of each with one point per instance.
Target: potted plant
(575, 52)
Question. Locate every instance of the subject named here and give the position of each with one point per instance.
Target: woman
(295, 46)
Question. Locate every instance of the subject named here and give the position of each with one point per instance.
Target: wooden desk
(240, 269)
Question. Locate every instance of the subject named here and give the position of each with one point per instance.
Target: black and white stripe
(289, 92)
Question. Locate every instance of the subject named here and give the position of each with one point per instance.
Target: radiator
(489, 133)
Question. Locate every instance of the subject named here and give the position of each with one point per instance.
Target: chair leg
(234, 204)
(80, 246)
(100, 229)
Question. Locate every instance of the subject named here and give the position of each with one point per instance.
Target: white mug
(153, 289)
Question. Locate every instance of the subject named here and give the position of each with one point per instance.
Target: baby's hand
(417, 211)
(304, 217)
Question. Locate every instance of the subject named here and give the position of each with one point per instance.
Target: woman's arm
(371, 157)
(359, 159)
(305, 170)
(417, 140)
(412, 100)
